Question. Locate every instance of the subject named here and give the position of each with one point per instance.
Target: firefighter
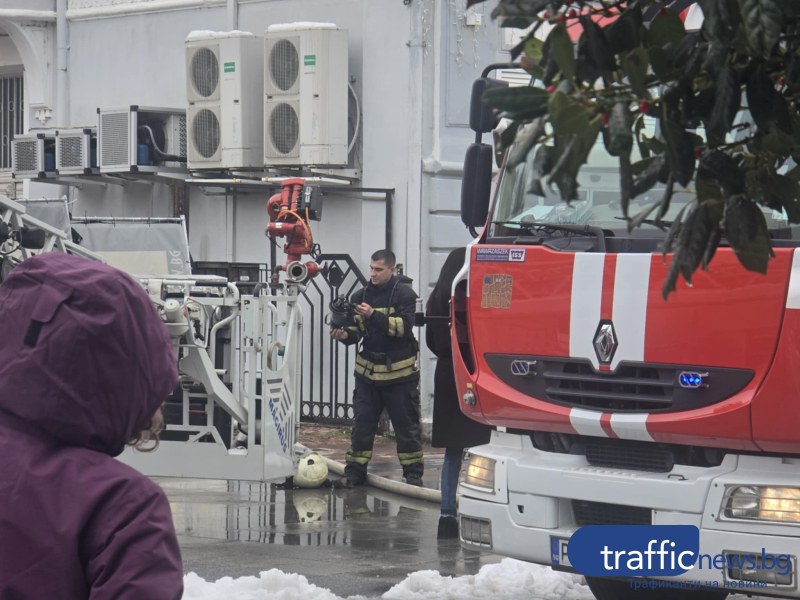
(386, 371)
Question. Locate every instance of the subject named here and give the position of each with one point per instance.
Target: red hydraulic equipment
(289, 212)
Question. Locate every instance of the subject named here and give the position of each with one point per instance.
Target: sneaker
(414, 480)
(448, 527)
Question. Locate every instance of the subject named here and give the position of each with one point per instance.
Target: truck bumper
(540, 498)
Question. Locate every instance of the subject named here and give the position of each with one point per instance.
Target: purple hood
(84, 357)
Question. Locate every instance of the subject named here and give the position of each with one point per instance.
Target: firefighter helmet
(312, 471)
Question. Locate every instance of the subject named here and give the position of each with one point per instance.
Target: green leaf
(533, 48)
(623, 35)
(563, 51)
(543, 162)
(695, 234)
(599, 49)
(787, 191)
(721, 19)
(762, 21)
(661, 62)
(517, 101)
(680, 151)
(634, 65)
(566, 115)
(776, 142)
(648, 176)
(727, 100)
(519, 8)
(761, 98)
(526, 138)
(724, 169)
(666, 27)
(620, 136)
(746, 230)
(625, 182)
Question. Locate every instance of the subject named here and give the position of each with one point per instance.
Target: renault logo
(522, 368)
(605, 342)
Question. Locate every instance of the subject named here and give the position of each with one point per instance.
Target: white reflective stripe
(584, 313)
(793, 296)
(631, 426)
(586, 422)
(629, 313)
(464, 272)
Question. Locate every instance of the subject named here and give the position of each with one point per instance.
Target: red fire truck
(612, 405)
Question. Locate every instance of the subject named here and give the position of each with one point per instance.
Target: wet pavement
(352, 542)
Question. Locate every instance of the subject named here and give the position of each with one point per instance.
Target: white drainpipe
(62, 52)
(233, 15)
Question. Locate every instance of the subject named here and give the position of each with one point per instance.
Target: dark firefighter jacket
(388, 350)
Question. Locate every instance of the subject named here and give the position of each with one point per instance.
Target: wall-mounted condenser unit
(141, 139)
(224, 90)
(76, 151)
(33, 156)
(305, 95)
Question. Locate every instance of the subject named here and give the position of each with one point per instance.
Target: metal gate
(327, 365)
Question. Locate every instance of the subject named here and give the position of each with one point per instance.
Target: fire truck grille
(600, 513)
(631, 387)
(635, 456)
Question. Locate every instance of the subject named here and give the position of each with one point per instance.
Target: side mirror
(481, 117)
(476, 185)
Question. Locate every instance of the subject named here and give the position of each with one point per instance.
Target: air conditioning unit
(141, 139)
(76, 151)
(33, 156)
(305, 95)
(224, 87)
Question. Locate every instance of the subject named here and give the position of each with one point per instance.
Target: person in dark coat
(85, 365)
(452, 429)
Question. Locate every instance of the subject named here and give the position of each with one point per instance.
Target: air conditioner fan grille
(25, 156)
(205, 72)
(206, 133)
(284, 128)
(70, 150)
(284, 64)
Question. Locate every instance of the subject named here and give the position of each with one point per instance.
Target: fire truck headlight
(762, 503)
(478, 472)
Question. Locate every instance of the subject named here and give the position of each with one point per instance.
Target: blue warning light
(691, 379)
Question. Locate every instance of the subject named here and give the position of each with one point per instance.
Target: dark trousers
(401, 401)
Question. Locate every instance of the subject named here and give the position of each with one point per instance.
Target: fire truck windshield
(517, 205)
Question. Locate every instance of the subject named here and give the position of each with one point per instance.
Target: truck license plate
(558, 552)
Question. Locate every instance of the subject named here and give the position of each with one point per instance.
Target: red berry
(545, 15)
(604, 118)
(698, 152)
(572, 14)
(644, 108)
(550, 89)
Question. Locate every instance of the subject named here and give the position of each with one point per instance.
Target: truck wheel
(620, 589)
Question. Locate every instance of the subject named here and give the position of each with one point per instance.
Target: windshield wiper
(547, 228)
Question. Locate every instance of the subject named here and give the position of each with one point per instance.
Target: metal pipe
(16, 14)
(212, 343)
(233, 15)
(100, 12)
(62, 50)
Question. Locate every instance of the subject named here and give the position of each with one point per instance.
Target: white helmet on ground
(312, 471)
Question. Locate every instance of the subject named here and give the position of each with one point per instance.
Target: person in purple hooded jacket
(85, 365)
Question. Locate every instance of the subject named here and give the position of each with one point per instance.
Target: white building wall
(411, 66)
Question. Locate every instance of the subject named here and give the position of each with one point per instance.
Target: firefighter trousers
(401, 401)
